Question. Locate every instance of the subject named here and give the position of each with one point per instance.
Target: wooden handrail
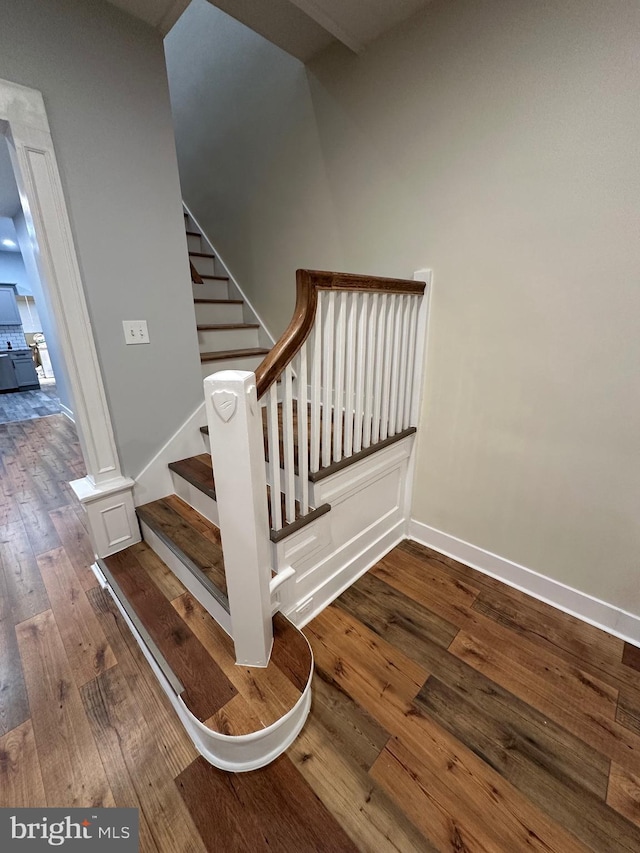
(308, 283)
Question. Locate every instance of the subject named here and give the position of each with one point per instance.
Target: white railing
(350, 386)
(343, 378)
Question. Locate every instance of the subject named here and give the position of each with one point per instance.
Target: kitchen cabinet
(9, 314)
(8, 380)
(25, 370)
(17, 371)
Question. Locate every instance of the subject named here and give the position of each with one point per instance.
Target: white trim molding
(24, 122)
(600, 614)
(110, 512)
(66, 411)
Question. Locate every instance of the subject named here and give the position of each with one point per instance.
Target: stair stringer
(370, 509)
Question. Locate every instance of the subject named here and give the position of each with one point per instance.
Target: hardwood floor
(450, 713)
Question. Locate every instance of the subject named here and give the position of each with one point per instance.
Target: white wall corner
(600, 614)
(154, 481)
(110, 512)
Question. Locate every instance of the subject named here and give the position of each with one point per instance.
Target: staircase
(229, 335)
(312, 444)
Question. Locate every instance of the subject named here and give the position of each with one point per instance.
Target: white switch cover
(135, 331)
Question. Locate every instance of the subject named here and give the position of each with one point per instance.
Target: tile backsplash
(13, 334)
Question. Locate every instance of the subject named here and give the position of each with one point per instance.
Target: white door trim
(104, 492)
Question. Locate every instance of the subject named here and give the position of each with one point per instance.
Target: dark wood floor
(450, 713)
(26, 405)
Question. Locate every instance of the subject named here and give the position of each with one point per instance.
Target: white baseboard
(66, 411)
(599, 613)
(154, 481)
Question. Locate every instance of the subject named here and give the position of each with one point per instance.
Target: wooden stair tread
(230, 699)
(198, 471)
(191, 536)
(206, 687)
(215, 277)
(233, 353)
(201, 254)
(193, 233)
(213, 327)
(201, 300)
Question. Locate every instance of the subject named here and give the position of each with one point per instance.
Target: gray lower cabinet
(25, 370)
(8, 380)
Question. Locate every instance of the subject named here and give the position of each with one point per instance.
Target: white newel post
(237, 451)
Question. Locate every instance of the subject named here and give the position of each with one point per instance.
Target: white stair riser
(205, 266)
(202, 503)
(211, 313)
(211, 290)
(190, 581)
(249, 363)
(194, 243)
(222, 339)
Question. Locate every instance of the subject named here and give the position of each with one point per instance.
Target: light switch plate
(135, 331)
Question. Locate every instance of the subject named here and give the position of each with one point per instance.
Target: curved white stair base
(233, 753)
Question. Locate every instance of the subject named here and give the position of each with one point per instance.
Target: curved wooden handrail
(308, 283)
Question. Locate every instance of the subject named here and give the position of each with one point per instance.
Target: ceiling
(301, 27)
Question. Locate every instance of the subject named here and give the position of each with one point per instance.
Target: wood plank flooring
(450, 713)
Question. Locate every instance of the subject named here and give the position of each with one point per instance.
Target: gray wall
(495, 142)
(103, 78)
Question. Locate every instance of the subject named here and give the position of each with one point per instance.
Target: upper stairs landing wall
(251, 166)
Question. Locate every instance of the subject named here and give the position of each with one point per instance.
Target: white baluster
(327, 379)
(395, 364)
(288, 445)
(303, 431)
(350, 372)
(273, 438)
(338, 383)
(411, 359)
(405, 319)
(372, 325)
(362, 304)
(316, 381)
(386, 373)
(379, 348)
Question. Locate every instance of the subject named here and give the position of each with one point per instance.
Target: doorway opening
(28, 386)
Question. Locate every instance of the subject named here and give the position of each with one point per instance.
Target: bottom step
(239, 718)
